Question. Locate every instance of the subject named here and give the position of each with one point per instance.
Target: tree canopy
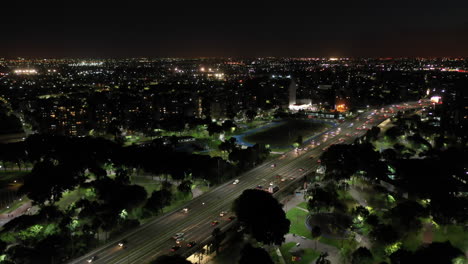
(262, 215)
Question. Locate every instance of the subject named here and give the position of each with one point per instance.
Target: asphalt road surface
(154, 238)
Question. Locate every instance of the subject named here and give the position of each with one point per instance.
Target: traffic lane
(294, 172)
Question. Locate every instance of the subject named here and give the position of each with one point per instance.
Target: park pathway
(24, 208)
(333, 252)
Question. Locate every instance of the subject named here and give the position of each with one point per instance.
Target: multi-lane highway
(155, 237)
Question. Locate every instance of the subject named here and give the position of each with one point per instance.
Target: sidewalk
(7, 217)
(291, 202)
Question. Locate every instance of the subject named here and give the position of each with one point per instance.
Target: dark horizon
(210, 29)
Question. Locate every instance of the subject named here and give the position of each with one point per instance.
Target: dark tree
(437, 252)
(25, 255)
(384, 234)
(299, 140)
(316, 233)
(262, 216)
(250, 114)
(214, 128)
(322, 198)
(361, 255)
(227, 125)
(171, 259)
(406, 215)
(185, 187)
(322, 259)
(47, 182)
(158, 200)
(253, 255)
(3, 246)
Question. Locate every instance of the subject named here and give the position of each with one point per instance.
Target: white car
(178, 236)
(223, 213)
(236, 181)
(185, 210)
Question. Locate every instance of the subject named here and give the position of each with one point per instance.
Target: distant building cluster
(79, 97)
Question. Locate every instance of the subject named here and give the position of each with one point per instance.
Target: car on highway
(273, 165)
(122, 243)
(191, 244)
(179, 240)
(213, 223)
(259, 187)
(223, 213)
(301, 169)
(91, 259)
(175, 248)
(236, 181)
(231, 218)
(178, 235)
(319, 161)
(185, 210)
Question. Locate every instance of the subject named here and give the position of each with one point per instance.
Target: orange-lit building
(341, 105)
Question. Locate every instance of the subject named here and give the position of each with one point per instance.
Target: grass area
(201, 185)
(151, 187)
(307, 257)
(298, 226)
(302, 205)
(179, 200)
(285, 133)
(333, 242)
(7, 177)
(15, 205)
(453, 233)
(69, 198)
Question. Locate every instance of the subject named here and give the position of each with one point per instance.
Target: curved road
(154, 238)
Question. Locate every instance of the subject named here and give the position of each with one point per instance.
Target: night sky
(234, 28)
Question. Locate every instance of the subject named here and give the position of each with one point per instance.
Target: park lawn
(332, 241)
(200, 185)
(178, 200)
(150, 186)
(302, 205)
(7, 177)
(285, 133)
(309, 254)
(298, 226)
(455, 234)
(69, 198)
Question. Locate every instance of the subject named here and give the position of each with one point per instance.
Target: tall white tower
(292, 92)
